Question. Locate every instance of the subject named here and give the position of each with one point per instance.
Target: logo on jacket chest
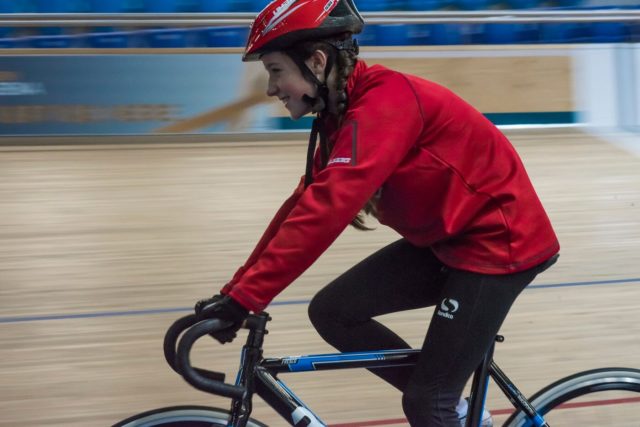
(339, 160)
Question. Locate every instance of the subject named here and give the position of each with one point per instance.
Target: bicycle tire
(564, 399)
(183, 416)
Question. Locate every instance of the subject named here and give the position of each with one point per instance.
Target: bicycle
(559, 404)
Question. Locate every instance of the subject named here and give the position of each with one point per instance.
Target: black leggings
(470, 310)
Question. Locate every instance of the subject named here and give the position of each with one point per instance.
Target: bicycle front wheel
(183, 416)
(599, 397)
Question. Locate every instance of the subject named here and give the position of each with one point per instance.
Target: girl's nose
(272, 89)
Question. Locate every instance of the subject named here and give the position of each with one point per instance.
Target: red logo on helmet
(280, 14)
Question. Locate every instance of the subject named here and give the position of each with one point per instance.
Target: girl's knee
(320, 310)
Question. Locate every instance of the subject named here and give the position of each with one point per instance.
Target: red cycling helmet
(285, 22)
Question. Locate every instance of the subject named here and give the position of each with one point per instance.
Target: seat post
(479, 387)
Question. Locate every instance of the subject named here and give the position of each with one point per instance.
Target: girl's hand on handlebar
(222, 307)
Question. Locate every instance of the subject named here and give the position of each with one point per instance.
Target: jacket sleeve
(381, 126)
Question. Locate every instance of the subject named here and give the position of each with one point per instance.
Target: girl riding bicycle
(420, 160)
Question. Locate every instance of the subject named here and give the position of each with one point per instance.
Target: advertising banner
(128, 94)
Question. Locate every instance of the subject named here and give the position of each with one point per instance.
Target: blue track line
(18, 319)
(595, 282)
(117, 313)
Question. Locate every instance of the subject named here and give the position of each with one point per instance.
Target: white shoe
(463, 407)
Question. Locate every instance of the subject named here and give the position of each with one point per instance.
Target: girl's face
(287, 83)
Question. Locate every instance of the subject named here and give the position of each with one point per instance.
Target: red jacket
(446, 178)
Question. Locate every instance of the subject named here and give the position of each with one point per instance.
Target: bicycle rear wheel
(183, 416)
(599, 397)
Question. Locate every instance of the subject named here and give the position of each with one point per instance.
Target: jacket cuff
(247, 303)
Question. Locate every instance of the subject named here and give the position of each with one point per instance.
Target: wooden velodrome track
(102, 248)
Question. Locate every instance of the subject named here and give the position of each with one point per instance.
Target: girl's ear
(317, 63)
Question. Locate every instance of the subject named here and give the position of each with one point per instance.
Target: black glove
(222, 307)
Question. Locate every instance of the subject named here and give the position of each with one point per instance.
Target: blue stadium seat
(428, 4)
(609, 32)
(570, 3)
(475, 4)
(109, 40)
(17, 6)
(52, 42)
(225, 36)
(161, 6)
(168, 38)
(418, 34)
(216, 5)
(51, 31)
(232, 5)
(165, 6)
(372, 5)
(107, 6)
(524, 4)
(445, 34)
(472, 34)
(396, 4)
(258, 5)
(564, 32)
(189, 6)
(392, 35)
(57, 6)
(510, 33)
(634, 32)
(8, 43)
(8, 7)
(529, 33)
(134, 6)
(499, 34)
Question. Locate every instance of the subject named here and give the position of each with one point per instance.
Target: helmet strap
(316, 130)
(311, 148)
(321, 100)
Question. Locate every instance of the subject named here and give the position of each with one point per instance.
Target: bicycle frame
(260, 375)
(282, 399)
